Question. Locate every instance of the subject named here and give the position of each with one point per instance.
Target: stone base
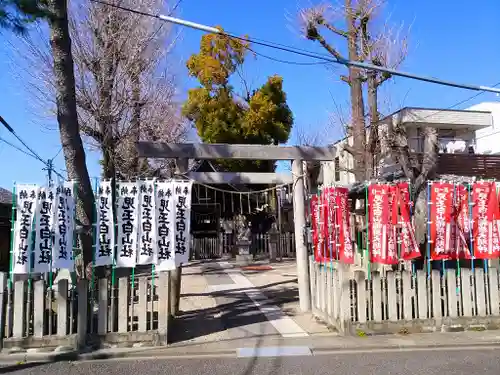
(243, 259)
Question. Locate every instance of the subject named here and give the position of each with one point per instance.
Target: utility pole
(49, 169)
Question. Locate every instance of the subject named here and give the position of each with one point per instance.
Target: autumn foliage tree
(221, 115)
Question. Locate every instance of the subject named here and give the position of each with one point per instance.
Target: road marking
(273, 351)
(286, 326)
(360, 350)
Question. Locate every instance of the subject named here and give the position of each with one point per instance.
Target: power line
(174, 8)
(457, 104)
(9, 128)
(18, 148)
(299, 63)
(56, 155)
(31, 153)
(289, 49)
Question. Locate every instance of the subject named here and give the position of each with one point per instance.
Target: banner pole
(471, 224)
(367, 249)
(429, 218)
(12, 234)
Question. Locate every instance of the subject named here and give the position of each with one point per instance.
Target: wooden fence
(402, 301)
(223, 245)
(130, 311)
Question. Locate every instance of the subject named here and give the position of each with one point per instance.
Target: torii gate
(182, 152)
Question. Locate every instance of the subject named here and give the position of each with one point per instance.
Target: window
(337, 168)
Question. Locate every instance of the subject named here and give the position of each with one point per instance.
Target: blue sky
(446, 41)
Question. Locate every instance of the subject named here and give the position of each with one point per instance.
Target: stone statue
(243, 231)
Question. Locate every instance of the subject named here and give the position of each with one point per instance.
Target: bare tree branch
(113, 50)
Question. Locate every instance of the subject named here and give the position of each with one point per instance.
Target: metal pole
(299, 213)
(176, 275)
(280, 242)
(350, 63)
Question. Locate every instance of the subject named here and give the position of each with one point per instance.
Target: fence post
(82, 318)
(3, 308)
(19, 309)
(164, 313)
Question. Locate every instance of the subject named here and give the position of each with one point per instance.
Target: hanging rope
(252, 192)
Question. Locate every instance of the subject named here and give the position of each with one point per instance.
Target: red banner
(314, 227)
(440, 220)
(460, 224)
(346, 251)
(379, 221)
(323, 225)
(392, 242)
(409, 246)
(485, 214)
(333, 224)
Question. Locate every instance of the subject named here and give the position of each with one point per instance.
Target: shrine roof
(5, 196)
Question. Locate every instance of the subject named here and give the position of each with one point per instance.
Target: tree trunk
(372, 155)
(74, 153)
(418, 178)
(357, 102)
(106, 127)
(135, 123)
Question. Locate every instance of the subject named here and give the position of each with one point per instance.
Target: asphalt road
(431, 362)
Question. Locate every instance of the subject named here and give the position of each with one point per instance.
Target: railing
(401, 301)
(223, 245)
(130, 310)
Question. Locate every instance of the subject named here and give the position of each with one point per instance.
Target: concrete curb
(71, 356)
(181, 353)
(333, 348)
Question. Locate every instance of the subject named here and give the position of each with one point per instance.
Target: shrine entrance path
(222, 302)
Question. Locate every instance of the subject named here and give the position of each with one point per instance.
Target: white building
(488, 138)
(460, 131)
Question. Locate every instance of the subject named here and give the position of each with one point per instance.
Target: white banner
(69, 188)
(164, 226)
(26, 196)
(62, 253)
(147, 224)
(105, 244)
(182, 202)
(44, 218)
(127, 213)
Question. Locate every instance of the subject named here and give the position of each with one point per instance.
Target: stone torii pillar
(202, 151)
(299, 220)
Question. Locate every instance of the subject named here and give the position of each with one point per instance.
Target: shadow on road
(20, 366)
(235, 310)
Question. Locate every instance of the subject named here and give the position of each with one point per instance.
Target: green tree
(220, 115)
(15, 15)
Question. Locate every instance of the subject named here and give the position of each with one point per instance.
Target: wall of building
(488, 139)
(453, 134)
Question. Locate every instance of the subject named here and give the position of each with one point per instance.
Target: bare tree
(310, 136)
(365, 41)
(125, 84)
(126, 91)
(417, 171)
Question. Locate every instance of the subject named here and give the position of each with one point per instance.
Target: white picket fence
(75, 316)
(395, 301)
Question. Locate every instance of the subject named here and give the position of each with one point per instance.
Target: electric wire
(32, 153)
(296, 51)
